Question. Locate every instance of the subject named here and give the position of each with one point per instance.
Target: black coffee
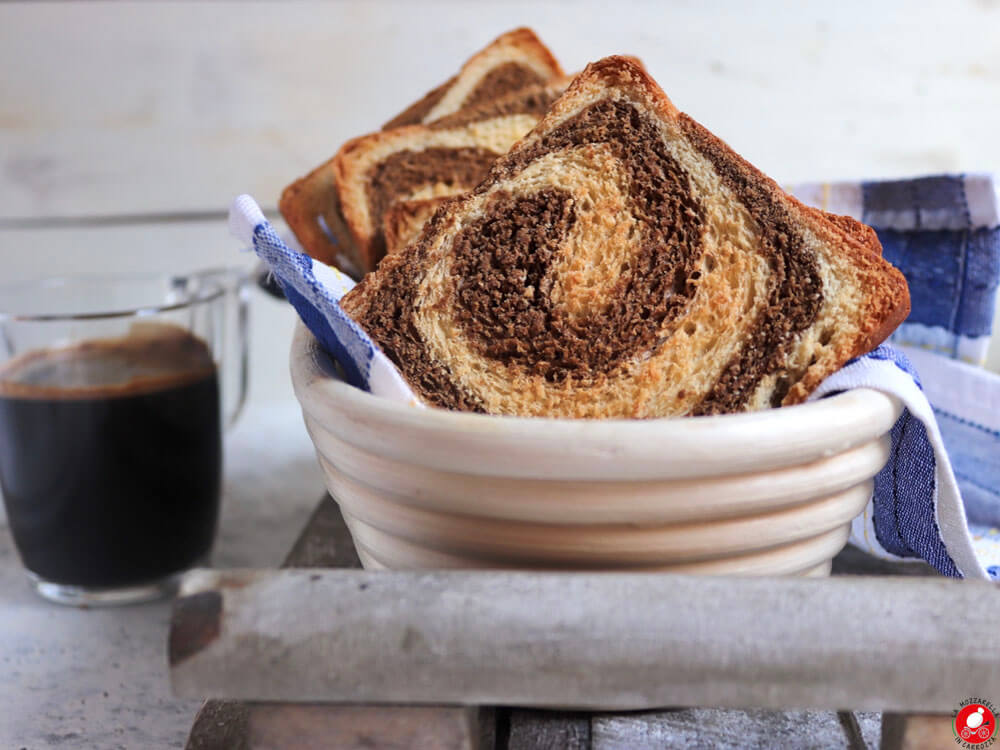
(110, 457)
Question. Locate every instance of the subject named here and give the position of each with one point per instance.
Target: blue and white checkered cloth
(944, 234)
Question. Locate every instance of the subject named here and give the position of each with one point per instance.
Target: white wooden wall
(139, 110)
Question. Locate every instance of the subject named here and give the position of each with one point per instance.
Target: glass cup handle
(235, 339)
(238, 305)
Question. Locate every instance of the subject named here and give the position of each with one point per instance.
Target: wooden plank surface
(623, 641)
(718, 729)
(325, 541)
(224, 725)
(546, 730)
(918, 731)
(319, 727)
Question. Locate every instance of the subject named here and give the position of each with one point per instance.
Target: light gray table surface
(97, 678)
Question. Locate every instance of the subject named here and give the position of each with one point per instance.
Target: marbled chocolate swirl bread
(402, 223)
(418, 162)
(509, 63)
(499, 94)
(621, 261)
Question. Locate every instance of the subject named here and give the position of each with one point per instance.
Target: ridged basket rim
(602, 449)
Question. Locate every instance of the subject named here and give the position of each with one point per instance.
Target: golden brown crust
(350, 173)
(627, 70)
(304, 203)
(854, 229)
(527, 39)
(892, 312)
(348, 212)
(536, 98)
(476, 128)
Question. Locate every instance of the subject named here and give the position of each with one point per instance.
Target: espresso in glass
(111, 457)
(114, 391)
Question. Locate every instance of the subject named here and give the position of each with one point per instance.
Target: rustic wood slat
(325, 541)
(548, 730)
(220, 725)
(853, 561)
(233, 725)
(318, 727)
(719, 729)
(853, 731)
(628, 641)
(917, 732)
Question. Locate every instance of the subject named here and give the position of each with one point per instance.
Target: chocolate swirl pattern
(620, 261)
(442, 145)
(369, 175)
(512, 62)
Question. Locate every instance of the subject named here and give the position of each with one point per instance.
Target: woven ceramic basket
(769, 493)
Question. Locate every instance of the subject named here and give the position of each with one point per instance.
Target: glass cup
(114, 391)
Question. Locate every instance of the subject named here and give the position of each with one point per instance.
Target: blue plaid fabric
(975, 456)
(916, 510)
(903, 506)
(943, 232)
(317, 306)
(966, 401)
(952, 277)
(314, 290)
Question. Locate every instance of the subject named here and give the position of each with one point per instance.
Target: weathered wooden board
(325, 542)
(546, 730)
(318, 727)
(917, 732)
(233, 725)
(220, 725)
(721, 729)
(624, 641)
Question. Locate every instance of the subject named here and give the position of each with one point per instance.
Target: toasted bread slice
(352, 192)
(311, 208)
(404, 220)
(514, 63)
(509, 63)
(622, 261)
